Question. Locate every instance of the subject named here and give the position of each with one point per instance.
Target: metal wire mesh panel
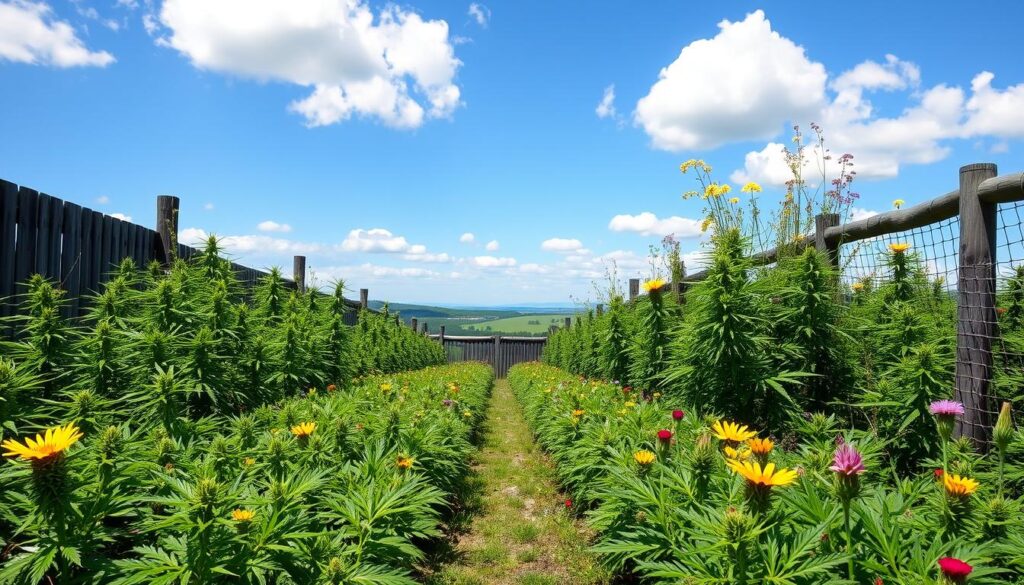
(934, 248)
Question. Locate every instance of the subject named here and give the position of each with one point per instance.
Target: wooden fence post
(976, 326)
(568, 322)
(600, 310)
(299, 273)
(552, 329)
(414, 323)
(823, 221)
(364, 298)
(426, 328)
(441, 336)
(634, 288)
(496, 359)
(167, 226)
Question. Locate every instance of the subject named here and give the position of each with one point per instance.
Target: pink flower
(955, 569)
(847, 461)
(678, 415)
(946, 408)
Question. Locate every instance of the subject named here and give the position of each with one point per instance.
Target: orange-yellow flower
(654, 284)
(899, 248)
(241, 515)
(403, 462)
(304, 429)
(643, 457)
(761, 446)
(578, 412)
(959, 486)
(767, 476)
(55, 441)
(751, 188)
(732, 432)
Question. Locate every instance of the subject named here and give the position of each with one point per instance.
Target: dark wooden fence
(78, 247)
(500, 352)
(972, 213)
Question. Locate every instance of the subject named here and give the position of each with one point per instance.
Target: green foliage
(687, 519)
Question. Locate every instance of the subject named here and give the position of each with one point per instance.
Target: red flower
(938, 473)
(627, 389)
(664, 435)
(568, 503)
(678, 414)
(955, 569)
(878, 581)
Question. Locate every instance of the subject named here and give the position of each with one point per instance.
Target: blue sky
(372, 137)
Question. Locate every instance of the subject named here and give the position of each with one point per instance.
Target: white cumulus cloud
(480, 13)
(30, 33)
(561, 245)
(121, 216)
(492, 246)
(606, 107)
(393, 66)
(374, 241)
(649, 224)
(492, 262)
(743, 84)
(273, 226)
(467, 238)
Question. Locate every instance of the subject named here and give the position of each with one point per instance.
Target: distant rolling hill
(505, 320)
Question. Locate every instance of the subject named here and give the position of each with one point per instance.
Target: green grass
(523, 323)
(521, 533)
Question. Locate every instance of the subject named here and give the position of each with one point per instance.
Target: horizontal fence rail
(500, 352)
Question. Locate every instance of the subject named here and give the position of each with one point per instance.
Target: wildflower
(664, 435)
(751, 188)
(304, 429)
(724, 189)
(385, 387)
(578, 412)
(847, 461)
(568, 503)
(734, 200)
(946, 408)
(467, 413)
(242, 515)
(760, 446)
(627, 389)
(629, 404)
(653, 285)
(704, 225)
(878, 581)
(732, 432)
(447, 402)
(643, 457)
(857, 286)
(898, 203)
(1000, 311)
(678, 415)
(945, 412)
(899, 248)
(46, 446)
(938, 473)
(954, 569)
(249, 461)
(958, 486)
(403, 462)
(762, 477)
(331, 387)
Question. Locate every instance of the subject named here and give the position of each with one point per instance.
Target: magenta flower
(946, 408)
(847, 461)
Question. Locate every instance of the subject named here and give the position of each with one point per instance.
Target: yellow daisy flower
(761, 446)
(653, 284)
(959, 486)
(767, 476)
(643, 457)
(732, 432)
(241, 515)
(899, 248)
(55, 441)
(304, 429)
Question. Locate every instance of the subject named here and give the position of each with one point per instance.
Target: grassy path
(519, 532)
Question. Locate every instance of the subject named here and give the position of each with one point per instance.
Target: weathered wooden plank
(106, 249)
(70, 265)
(8, 229)
(42, 256)
(1004, 189)
(56, 237)
(86, 255)
(25, 253)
